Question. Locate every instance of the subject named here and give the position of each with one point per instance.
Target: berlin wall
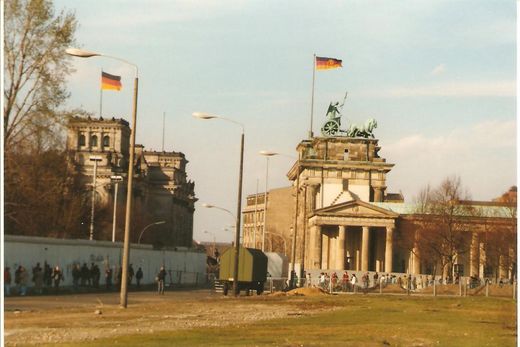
(183, 266)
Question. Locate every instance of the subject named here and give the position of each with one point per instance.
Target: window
(81, 140)
(106, 141)
(93, 141)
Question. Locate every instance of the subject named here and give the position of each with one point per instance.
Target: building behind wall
(279, 220)
(162, 191)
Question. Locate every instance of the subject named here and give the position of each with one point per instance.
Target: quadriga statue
(362, 130)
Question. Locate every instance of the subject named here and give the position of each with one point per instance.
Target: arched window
(81, 140)
(93, 141)
(106, 141)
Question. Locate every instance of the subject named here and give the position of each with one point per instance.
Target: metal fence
(399, 285)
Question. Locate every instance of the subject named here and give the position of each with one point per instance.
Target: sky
(438, 76)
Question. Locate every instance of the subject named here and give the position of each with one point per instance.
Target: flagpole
(101, 97)
(312, 97)
(163, 117)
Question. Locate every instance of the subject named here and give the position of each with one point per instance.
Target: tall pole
(114, 218)
(293, 251)
(93, 205)
(101, 98)
(163, 121)
(256, 216)
(265, 202)
(239, 210)
(312, 97)
(304, 225)
(123, 302)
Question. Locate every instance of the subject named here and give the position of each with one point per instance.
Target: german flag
(324, 63)
(110, 82)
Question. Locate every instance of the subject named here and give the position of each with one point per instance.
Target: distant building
(161, 189)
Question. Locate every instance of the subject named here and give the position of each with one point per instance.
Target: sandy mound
(392, 288)
(312, 291)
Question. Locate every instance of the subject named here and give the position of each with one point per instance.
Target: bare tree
(35, 68)
(441, 234)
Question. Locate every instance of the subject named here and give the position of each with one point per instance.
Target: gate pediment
(356, 208)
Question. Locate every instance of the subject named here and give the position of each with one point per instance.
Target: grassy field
(356, 321)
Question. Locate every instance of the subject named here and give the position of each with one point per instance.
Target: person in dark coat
(161, 276)
(139, 276)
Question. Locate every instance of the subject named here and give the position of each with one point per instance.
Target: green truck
(252, 269)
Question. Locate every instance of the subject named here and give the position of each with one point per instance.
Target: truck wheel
(225, 288)
(260, 288)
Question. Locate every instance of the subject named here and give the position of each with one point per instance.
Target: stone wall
(186, 266)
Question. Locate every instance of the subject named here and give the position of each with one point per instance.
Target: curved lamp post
(123, 302)
(204, 115)
(146, 227)
(266, 154)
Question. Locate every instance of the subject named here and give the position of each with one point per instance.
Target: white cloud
(439, 69)
(449, 89)
(484, 156)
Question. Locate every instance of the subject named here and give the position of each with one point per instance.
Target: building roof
(481, 210)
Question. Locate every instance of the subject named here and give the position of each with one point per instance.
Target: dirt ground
(69, 318)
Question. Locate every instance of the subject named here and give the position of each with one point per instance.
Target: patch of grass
(358, 321)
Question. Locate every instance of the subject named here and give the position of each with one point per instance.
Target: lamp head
(203, 115)
(207, 205)
(267, 153)
(76, 52)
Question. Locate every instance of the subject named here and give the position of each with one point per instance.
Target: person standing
(96, 274)
(76, 274)
(84, 274)
(345, 281)
(7, 281)
(108, 278)
(139, 276)
(47, 275)
(161, 276)
(38, 279)
(24, 281)
(17, 276)
(353, 282)
(57, 277)
(119, 277)
(130, 274)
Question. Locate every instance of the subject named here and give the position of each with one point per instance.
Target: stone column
(483, 260)
(389, 249)
(340, 248)
(315, 247)
(502, 267)
(364, 248)
(416, 256)
(474, 255)
(325, 251)
(378, 194)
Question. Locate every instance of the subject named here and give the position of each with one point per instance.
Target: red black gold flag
(323, 63)
(110, 82)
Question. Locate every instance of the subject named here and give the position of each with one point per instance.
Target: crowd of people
(48, 279)
(350, 282)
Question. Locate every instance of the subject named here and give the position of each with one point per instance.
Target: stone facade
(279, 220)
(160, 185)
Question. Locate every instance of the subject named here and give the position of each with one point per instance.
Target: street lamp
(204, 115)
(115, 179)
(123, 301)
(146, 227)
(266, 154)
(95, 159)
